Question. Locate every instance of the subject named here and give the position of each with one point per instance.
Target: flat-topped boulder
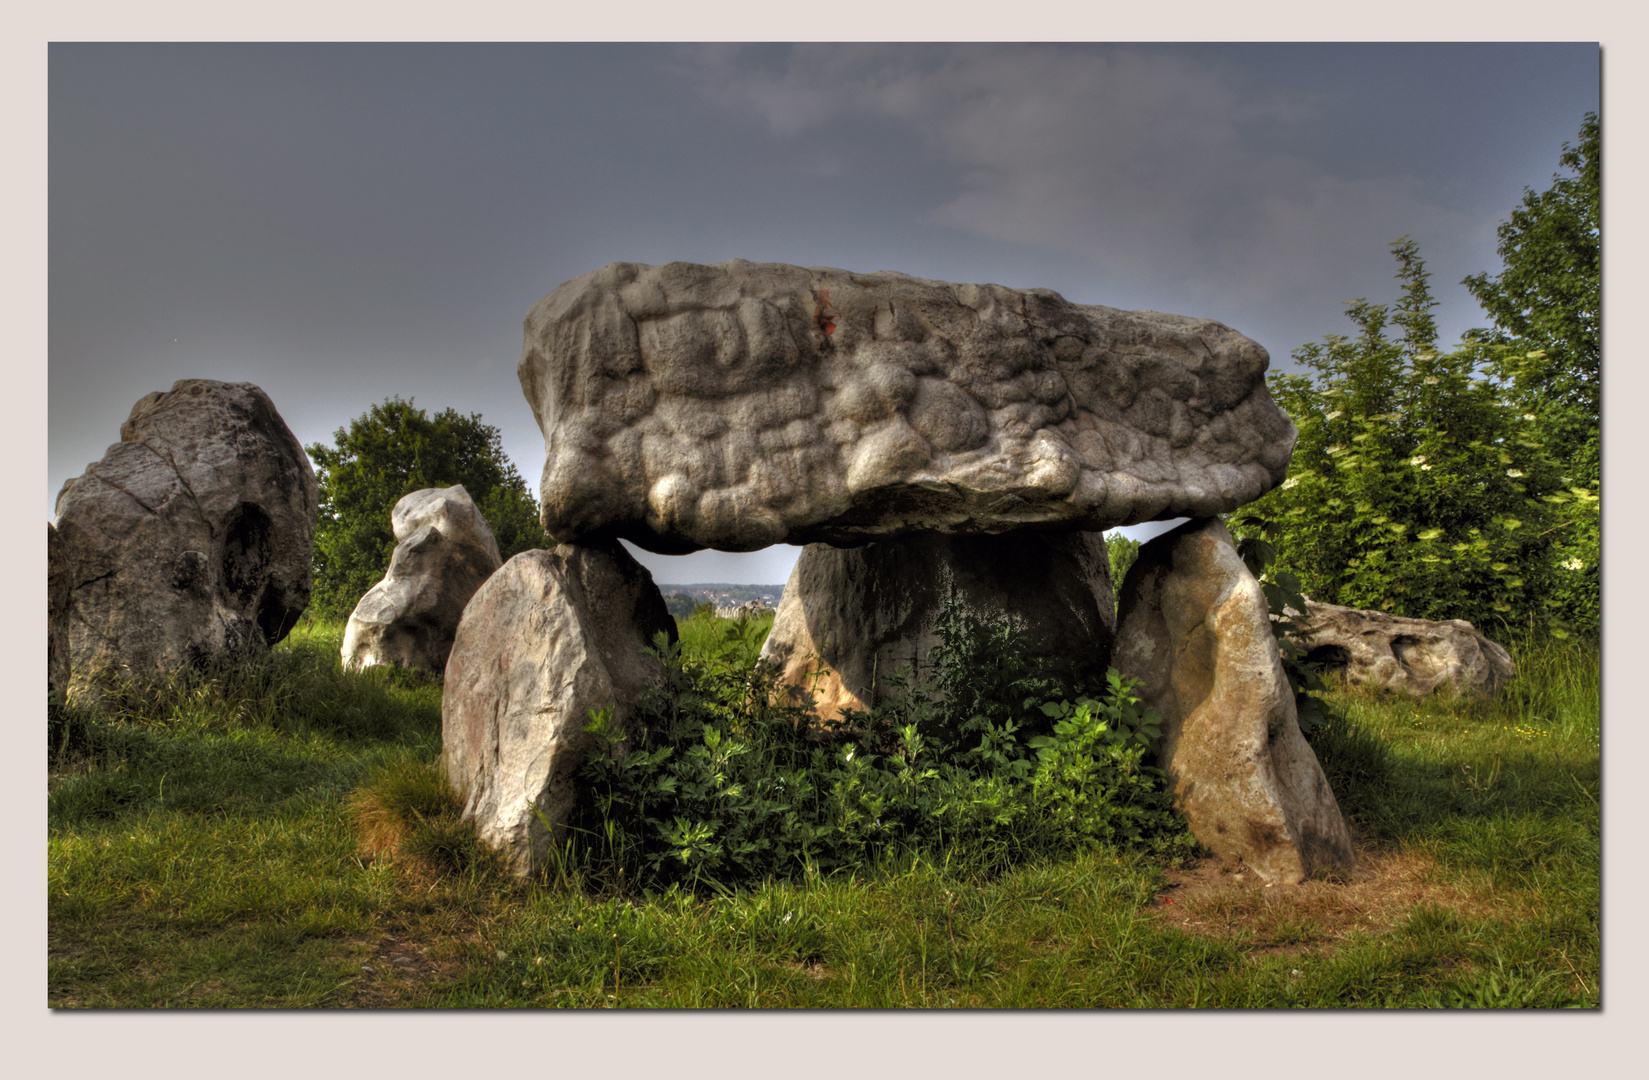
(740, 405)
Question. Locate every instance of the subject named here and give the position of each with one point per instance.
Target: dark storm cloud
(340, 223)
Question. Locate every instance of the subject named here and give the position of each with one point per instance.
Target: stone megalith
(548, 638)
(445, 551)
(1409, 656)
(1194, 628)
(740, 405)
(193, 537)
(57, 620)
(850, 617)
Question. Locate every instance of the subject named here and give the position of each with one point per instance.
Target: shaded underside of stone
(740, 405)
(850, 618)
(1194, 627)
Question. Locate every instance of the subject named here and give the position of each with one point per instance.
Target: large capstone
(1417, 657)
(445, 551)
(193, 537)
(851, 618)
(550, 638)
(740, 405)
(1194, 627)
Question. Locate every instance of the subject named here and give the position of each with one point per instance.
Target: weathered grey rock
(1194, 628)
(1410, 656)
(850, 617)
(549, 637)
(193, 537)
(740, 405)
(445, 551)
(57, 620)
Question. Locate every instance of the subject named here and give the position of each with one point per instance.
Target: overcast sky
(343, 223)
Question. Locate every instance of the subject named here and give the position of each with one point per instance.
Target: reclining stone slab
(740, 405)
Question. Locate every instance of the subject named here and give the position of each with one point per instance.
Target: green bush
(722, 780)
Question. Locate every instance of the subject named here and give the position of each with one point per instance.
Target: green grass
(275, 835)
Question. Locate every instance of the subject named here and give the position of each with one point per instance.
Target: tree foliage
(390, 451)
(1418, 486)
(1458, 484)
(1546, 305)
(1547, 299)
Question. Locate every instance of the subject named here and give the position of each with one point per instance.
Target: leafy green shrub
(723, 780)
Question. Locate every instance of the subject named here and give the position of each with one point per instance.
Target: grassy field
(276, 836)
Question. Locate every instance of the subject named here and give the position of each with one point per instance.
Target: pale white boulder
(445, 551)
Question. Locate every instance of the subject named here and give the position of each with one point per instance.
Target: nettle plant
(724, 779)
(1417, 486)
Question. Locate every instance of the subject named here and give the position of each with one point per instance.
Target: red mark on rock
(820, 319)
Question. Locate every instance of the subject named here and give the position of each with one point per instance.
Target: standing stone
(193, 537)
(746, 404)
(1195, 629)
(57, 620)
(1417, 657)
(445, 551)
(548, 638)
(850, 617)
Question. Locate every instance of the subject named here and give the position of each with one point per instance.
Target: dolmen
(192, 538)
(444, 551)
(927, 442)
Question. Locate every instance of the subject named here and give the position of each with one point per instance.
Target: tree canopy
(1547, 300)
(391, 450)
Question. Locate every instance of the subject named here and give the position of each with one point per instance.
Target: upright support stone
(851, 617)
(1195, 629)
(548, 638)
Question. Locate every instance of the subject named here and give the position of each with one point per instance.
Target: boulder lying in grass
(193, 537)
(547, 639)
(745, 404)
(1194, 628)
(851, 617)
(750, 609)
(1408, 656)
(445, 551)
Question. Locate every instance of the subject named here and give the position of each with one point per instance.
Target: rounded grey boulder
(193, 537)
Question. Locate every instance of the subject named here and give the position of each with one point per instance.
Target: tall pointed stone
(1194, 628)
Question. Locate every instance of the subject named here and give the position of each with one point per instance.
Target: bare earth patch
(1219, 899)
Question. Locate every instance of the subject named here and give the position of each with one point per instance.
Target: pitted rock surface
(1194, 627)
(851, 617)
(740, 405)
(1417, 657)
(194, 536)
(445, 551)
